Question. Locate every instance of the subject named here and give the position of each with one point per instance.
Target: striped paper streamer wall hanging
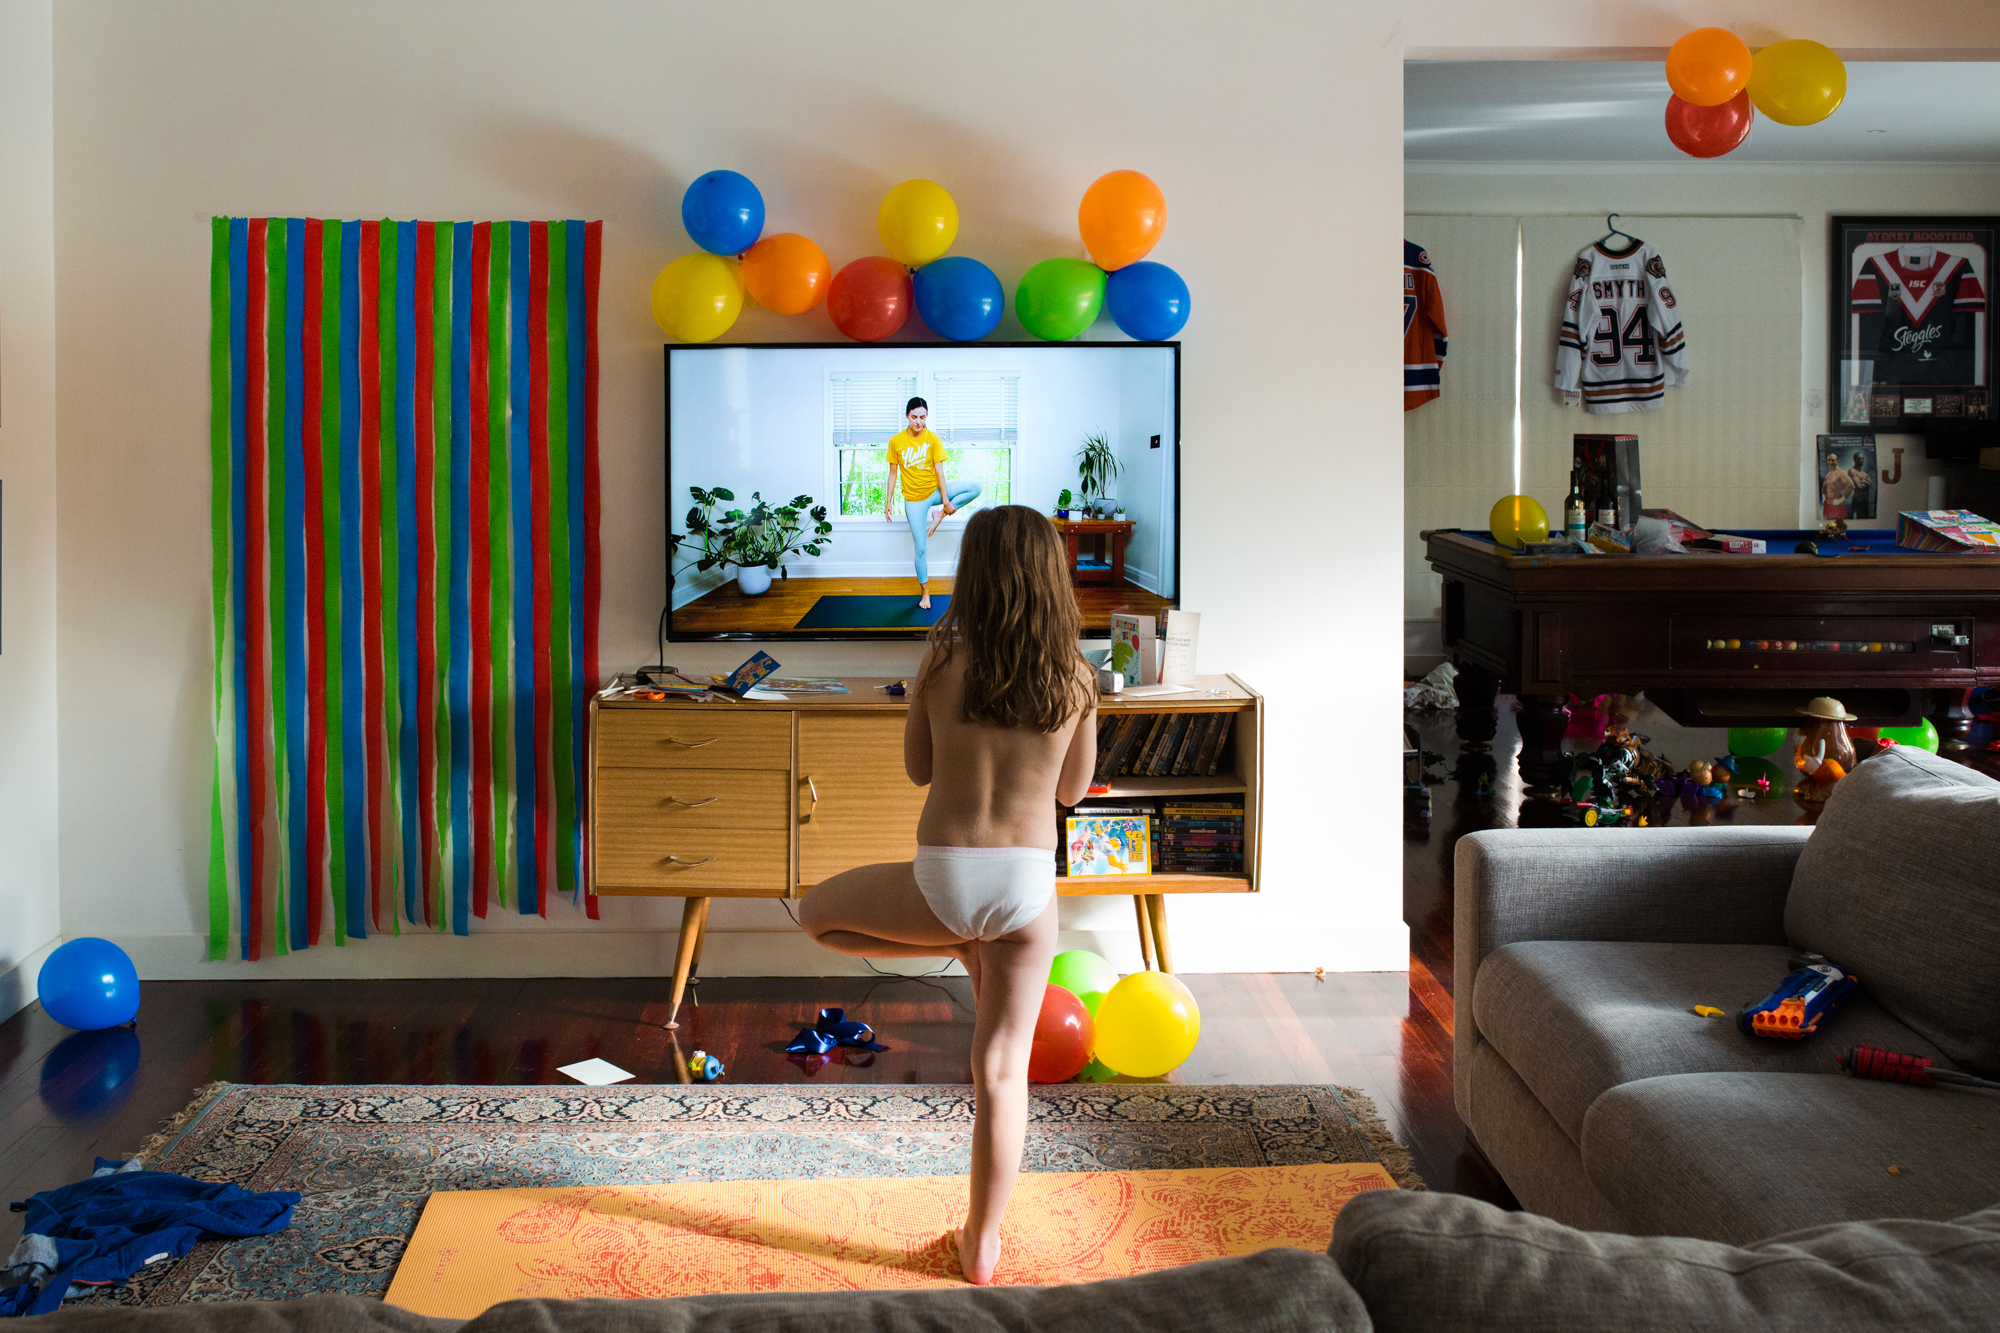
(405, 576)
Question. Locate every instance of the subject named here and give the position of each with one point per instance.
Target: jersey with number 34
(1621, 344)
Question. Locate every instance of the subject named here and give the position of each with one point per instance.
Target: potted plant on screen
(1096, 465)
(753, 541)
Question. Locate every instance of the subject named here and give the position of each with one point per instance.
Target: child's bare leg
(1013, 976)
(876, 912)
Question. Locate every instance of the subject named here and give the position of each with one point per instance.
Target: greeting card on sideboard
(1134, 648)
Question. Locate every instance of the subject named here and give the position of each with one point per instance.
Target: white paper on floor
(595, 1072)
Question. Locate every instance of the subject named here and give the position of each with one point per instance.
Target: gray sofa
(1606, 1103)
(1399, 1263)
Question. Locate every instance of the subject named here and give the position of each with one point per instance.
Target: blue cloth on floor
(109, 1227)
(834, 1028)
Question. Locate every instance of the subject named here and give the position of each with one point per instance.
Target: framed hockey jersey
(1423, 329)
(1911, 344)
(1621, 345)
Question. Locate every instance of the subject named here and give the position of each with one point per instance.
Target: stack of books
(1200, 837)
(1161, 744)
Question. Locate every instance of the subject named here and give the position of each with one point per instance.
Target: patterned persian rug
(365, 1159)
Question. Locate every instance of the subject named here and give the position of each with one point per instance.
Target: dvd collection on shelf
(1161, 745)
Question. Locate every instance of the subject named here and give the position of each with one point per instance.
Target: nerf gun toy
(1895, 1067)
(1814, 989)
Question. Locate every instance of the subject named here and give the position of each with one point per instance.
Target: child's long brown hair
(1013, 612)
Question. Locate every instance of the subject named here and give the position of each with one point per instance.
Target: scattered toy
(1707, 1011)
(705, 1067)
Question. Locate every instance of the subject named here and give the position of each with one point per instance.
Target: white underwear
(982, 893)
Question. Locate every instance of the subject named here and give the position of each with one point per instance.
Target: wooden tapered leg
(694, 919)
(1156, 909)
(1145, 931)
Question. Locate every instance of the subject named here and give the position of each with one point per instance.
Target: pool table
(1716, 639)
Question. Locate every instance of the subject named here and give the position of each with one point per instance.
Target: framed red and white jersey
(1912, 345)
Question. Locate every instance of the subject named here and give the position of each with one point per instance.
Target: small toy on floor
(1825, 754)
(704, 1067)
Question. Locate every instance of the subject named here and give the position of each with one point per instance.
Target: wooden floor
(727, 610)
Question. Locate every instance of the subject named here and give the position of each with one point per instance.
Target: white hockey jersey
(1621, 343)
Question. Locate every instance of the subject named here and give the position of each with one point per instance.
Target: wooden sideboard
(766, 799)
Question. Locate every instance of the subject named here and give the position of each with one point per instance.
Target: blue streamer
(458, 678)
(353, 705)
(530, 896)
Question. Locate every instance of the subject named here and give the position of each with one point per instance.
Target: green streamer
(563, 722)
(218, 570)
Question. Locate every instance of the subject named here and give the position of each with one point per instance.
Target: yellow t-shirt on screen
(919, 456)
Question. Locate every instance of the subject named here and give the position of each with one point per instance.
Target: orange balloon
(786, 273)
(1122, 217)
(1708, 66)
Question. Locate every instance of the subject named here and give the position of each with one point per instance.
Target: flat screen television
(784, 421)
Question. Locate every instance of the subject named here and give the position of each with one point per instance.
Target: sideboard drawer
(693, 738)
(634, 801)
(681, 861)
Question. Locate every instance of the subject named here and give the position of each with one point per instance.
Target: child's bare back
(992, 786)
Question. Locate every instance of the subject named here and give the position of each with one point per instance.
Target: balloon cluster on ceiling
(1716, 82)
(697, 297)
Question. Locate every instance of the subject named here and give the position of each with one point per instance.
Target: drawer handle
(689, 864)
(691, 805)
(806, 818)
(692, 745)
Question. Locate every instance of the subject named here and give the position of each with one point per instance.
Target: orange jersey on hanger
(1423, 328)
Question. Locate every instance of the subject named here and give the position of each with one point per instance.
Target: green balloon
(1084, 975)
(1058, 299)
(1924, 735)
(1755, 742)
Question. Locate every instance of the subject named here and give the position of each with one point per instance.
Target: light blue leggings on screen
(919, 514)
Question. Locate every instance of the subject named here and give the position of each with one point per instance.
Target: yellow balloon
(1517, 520)
(1147, 1024)
(697, 297)
(917, 222)
(1797, 82)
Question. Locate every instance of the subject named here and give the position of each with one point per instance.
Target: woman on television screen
(916, 471)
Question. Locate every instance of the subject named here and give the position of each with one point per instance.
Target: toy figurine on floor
(1825, 754)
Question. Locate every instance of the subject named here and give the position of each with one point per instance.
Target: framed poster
(1911, 347)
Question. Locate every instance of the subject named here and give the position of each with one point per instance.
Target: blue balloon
(723, 212)
(1147, 300)
(89, 984)
(89, 1074)
(959, 298)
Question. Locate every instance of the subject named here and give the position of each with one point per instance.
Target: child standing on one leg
(916, 473)
(1001, 727)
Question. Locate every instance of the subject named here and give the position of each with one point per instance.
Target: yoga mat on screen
(404, 576)
(851, 611)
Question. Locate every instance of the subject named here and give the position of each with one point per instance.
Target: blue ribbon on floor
(834, 1028)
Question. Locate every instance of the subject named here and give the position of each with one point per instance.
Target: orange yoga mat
(474, 1249)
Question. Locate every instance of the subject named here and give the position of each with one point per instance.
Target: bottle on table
(1576, 521)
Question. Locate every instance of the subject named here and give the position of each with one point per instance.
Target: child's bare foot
(977, 1260)
(936, 517)
(924, 602)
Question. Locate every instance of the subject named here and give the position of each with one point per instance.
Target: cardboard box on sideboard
(1610, 465)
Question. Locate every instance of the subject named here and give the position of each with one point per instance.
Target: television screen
(807, 494)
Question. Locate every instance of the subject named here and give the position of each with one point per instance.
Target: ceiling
(1611, 111)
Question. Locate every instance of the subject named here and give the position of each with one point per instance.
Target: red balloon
(1709, 131)
(1064, 1034)
(869, 299)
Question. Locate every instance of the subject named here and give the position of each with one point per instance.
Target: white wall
(28, 845)
(1273, 128)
